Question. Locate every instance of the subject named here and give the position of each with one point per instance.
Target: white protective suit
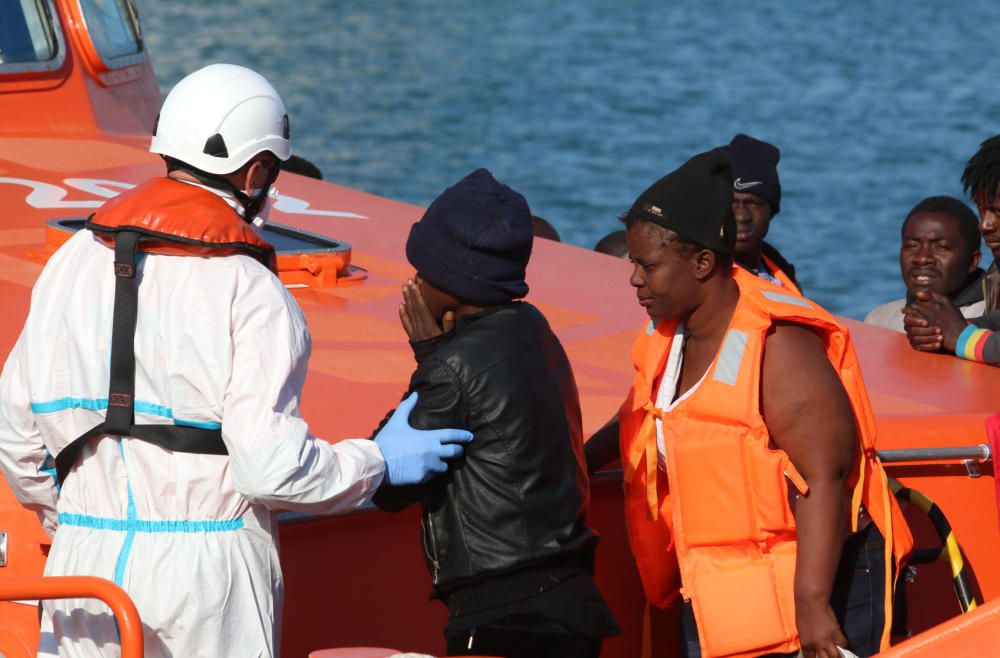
(191, 538)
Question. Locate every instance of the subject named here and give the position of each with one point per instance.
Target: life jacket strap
(121, 390)
(120, 417)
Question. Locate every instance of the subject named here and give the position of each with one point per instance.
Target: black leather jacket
(518, 495)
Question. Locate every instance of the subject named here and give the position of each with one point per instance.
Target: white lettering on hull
(295, 206)
(47, 195)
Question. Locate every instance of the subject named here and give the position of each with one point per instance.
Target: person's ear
(974, 261)
(703, 261)
(252, 176)
(243, 177)
(256, 176)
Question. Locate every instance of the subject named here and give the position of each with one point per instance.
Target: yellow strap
(888, 557)
(645, 446)
(954, 554)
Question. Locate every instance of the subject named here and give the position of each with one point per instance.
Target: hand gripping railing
(82, 587)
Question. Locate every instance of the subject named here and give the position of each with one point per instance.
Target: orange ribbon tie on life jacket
(646, 446)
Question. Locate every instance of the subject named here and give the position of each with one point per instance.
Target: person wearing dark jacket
(938, 251)
(756, 200)
(504, 534)
(935, 323)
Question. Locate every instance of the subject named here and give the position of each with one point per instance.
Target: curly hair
(981, 177)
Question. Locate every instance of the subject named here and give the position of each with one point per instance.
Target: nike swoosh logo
(740, 185)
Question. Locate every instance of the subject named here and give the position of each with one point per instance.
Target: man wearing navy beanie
(474, 241)
(756, 200)
(504, 534)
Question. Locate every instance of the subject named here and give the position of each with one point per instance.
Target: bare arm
(602, 447)
(809, 416)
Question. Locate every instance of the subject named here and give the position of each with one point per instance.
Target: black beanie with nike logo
(755, 168)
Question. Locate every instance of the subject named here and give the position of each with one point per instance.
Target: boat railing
(971, 456)
(979, 453)
(82, 587)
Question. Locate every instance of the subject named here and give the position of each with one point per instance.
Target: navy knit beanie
(474, 241)
(755, 168)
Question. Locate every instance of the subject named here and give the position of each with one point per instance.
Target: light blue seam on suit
(98, 404)
(132, 525)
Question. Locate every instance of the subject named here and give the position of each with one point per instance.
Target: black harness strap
(121, 390)
(120, 419)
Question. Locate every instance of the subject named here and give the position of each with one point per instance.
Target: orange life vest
(180, 219)
(780, 275)
(720, 528)
(162, 216)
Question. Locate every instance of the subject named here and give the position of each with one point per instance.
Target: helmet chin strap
(251, 205)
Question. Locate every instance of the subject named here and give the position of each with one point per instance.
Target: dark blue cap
(474, 241)
(755, 168)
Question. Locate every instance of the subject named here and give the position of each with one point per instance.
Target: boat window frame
(54, 63)
(93, 54)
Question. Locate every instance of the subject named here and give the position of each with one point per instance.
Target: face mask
(261, 219)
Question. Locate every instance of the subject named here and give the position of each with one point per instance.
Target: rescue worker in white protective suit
(220, 352)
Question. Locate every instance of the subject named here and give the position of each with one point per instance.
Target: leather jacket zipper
(430, 548)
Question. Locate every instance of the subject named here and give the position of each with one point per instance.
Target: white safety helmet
(219, 117)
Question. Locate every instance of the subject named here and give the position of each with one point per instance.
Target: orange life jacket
(780, 275)
(720, 528)
(162, 216)
(180, 219)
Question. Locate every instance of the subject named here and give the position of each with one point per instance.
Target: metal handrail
(980, 452)
(19, 588)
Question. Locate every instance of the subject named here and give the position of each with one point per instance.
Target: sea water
(580, 105)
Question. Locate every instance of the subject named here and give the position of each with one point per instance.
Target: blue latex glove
(414, 456)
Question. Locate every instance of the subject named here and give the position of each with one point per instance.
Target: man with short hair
(756, 200)
(751, 482)
(933, 322)
(939, 251)
(162, 365)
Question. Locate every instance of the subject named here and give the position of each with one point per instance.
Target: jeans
(858, 598)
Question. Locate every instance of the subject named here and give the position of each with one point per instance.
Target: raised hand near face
(417, 319)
